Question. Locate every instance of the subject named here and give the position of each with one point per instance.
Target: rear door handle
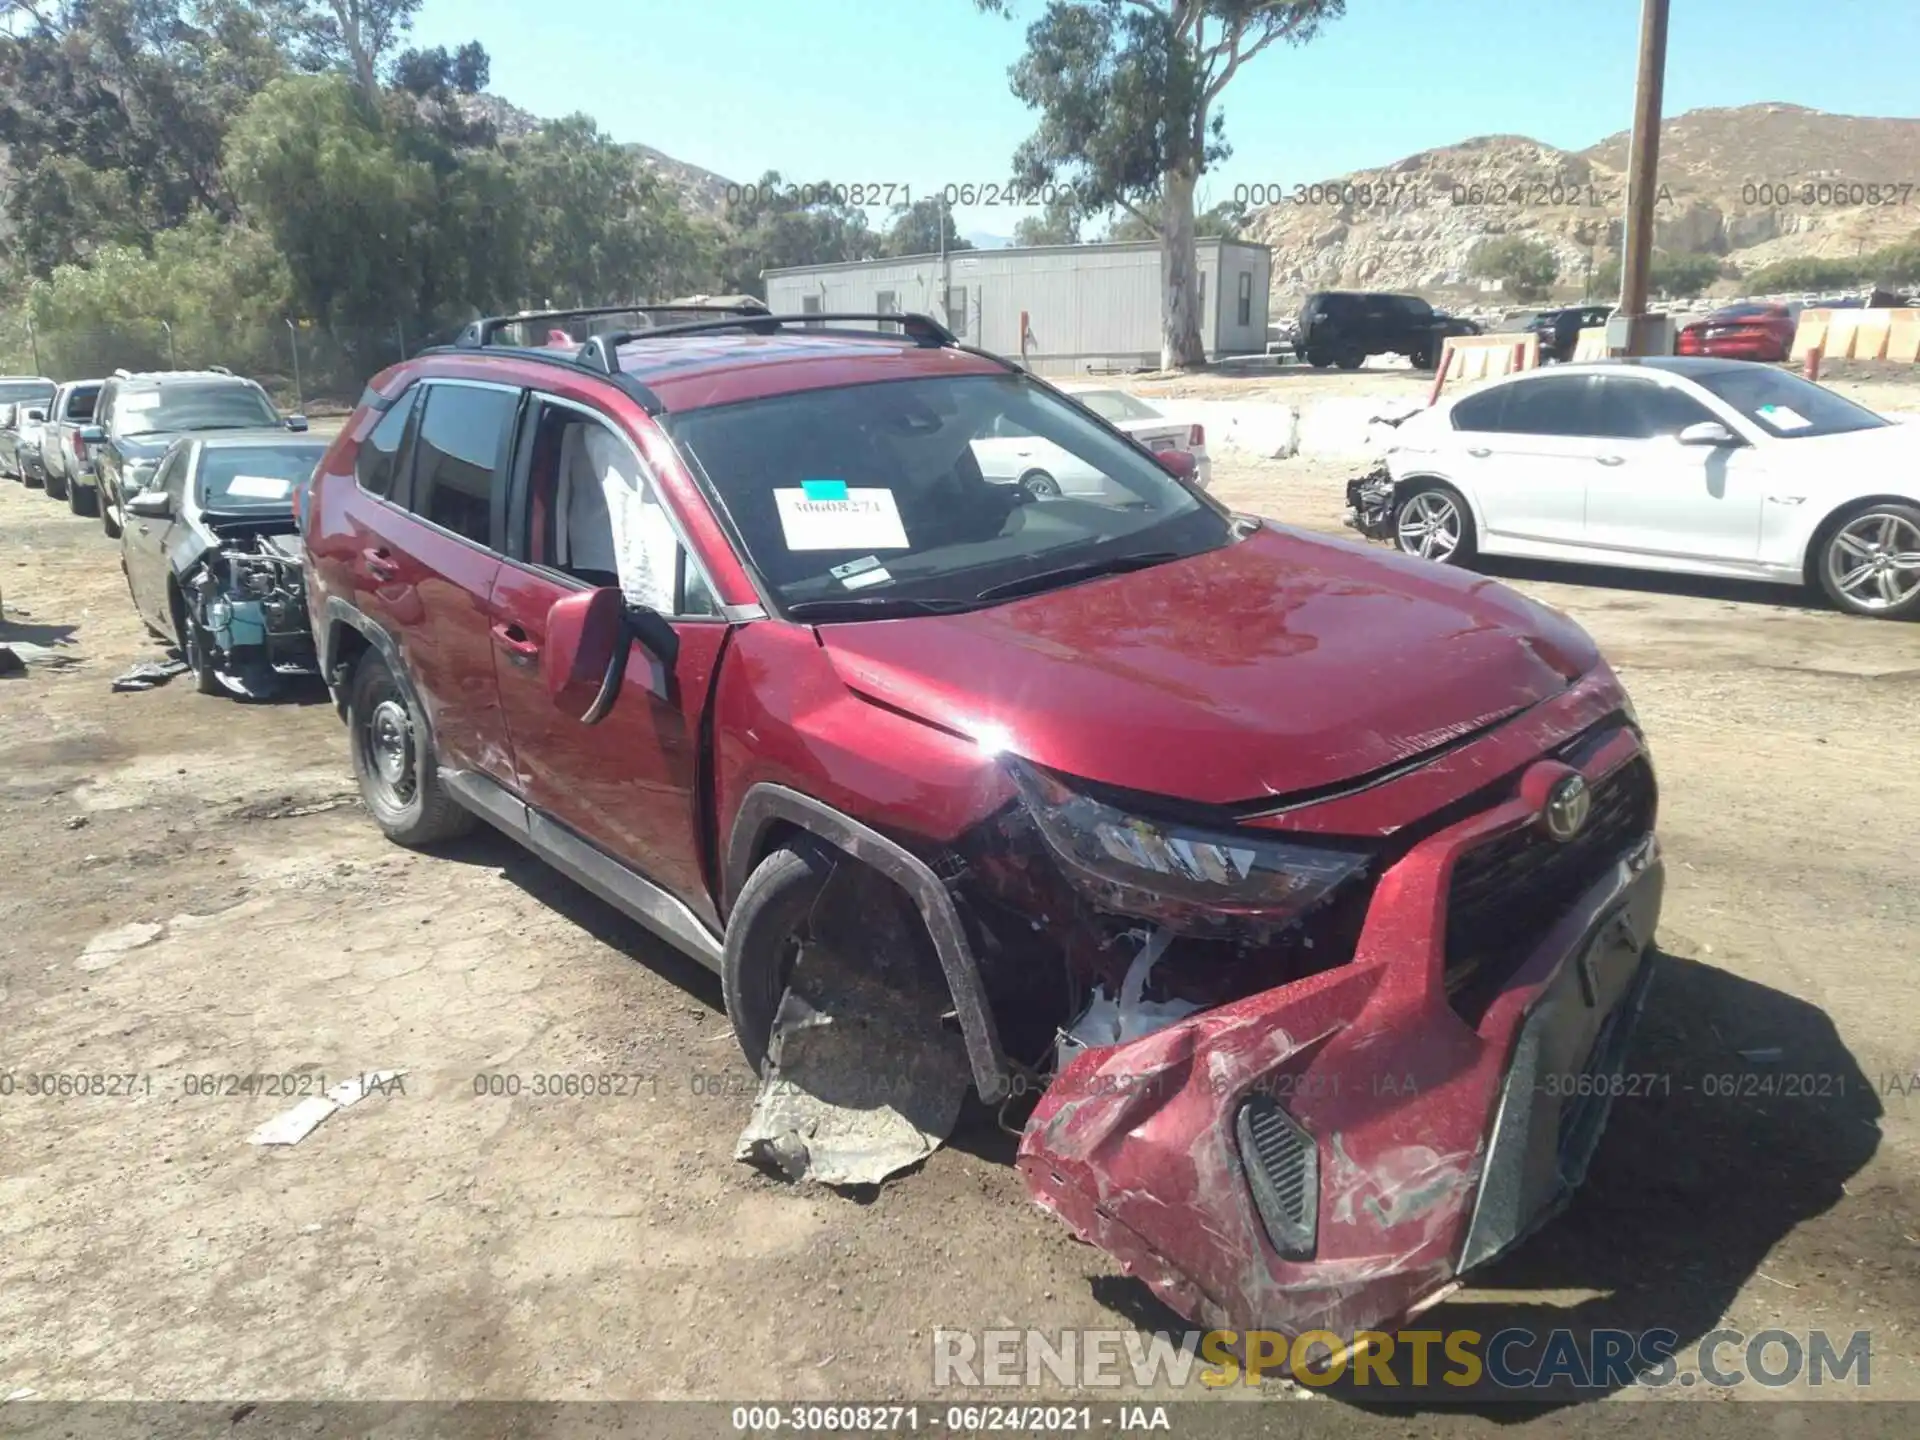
(1479, 452)
(1611, 459)
(379, 561)
(521, 647)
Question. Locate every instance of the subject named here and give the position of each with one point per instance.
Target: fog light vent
(1283, 1170)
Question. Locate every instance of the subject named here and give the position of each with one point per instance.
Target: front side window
(172, 475)
(592, 513)
(207, 406)
(462, 433)
(916, 491)
(1784, 406)
(1642, 409)
(255, 477)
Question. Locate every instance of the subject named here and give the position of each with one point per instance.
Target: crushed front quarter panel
(1134, 1147)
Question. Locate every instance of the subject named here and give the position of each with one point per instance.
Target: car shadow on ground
(22, 632)
(1751, 1116)
(1652, 582)
(489, 849)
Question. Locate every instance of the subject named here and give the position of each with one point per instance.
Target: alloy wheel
(1874, 561)
(1429, 526)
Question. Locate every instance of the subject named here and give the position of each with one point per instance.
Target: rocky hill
(701, 192)
(1753, 184)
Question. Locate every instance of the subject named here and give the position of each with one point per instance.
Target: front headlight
(1149, 867)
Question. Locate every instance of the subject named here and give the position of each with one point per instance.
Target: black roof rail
(481, 332)
(602, 352)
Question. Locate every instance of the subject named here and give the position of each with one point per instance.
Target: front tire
(1040, 485)
(765, 935)
(394, 762)
(1350, 359)
(1870, 563)
(1432, 521)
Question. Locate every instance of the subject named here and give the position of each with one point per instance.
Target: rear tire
(1040, 485)
(56, 486)
(764, 936)
(1431, 521)
(394, 762)
(1350, 359)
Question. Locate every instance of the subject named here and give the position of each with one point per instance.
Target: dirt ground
(435, 1242)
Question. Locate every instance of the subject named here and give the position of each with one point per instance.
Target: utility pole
(1631, 334)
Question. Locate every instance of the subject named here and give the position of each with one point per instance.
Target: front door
(1649, 493)
(143, 543)
(628, 783)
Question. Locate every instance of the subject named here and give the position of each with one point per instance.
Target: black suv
(1559, 330)
(139, 414)
(1343, 327)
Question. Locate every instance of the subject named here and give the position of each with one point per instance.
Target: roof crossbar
(482, 332)
(602, 352)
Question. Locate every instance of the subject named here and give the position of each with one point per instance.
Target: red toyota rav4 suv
(1351, 855)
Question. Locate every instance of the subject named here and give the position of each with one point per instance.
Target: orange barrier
(1858, 335)
(1483, 357)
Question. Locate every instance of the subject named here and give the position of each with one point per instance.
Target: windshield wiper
(873, 607)
(1079, 570)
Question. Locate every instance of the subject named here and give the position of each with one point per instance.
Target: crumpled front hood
(1279, 664)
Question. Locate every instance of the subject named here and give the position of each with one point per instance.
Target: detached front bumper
(1331, 1154)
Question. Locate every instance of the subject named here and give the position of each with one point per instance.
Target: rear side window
(379, 458)
(463, 431)
(80, 404)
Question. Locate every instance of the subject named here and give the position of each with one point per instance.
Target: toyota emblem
(1567, 806)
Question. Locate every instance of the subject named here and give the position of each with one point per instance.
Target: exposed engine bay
(247, 596)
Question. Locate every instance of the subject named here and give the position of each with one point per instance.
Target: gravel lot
(439, 1243)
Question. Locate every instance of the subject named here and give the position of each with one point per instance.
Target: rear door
(1647, 492)
(628, 783)
(1528, 452)
(425, 561)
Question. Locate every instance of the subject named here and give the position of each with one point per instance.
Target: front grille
(1283, 1170)
(1507, 893)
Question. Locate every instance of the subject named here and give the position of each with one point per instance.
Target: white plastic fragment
(290, 1127)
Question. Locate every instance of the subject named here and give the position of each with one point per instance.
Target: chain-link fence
(304, 366)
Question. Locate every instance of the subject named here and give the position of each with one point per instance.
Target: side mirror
(1178, 463)
(1708, 432)
(296, 422)
(155, 503)
(92, 435)
(36, 417)
(584, 658)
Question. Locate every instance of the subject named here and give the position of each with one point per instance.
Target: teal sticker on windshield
(824, 489)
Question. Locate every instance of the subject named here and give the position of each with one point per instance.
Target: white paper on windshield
(865, 519)
(1784, 417)
(260, 487)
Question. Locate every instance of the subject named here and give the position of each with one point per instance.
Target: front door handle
(379, 562)
(1479, 452)
(1611, 459)
(521, 648)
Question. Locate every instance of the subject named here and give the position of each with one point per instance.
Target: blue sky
(914, 92)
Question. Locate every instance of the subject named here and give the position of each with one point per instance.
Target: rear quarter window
(379, 459)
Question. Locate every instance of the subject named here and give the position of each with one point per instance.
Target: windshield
(933, 490)
(26, 394)
(1785, 405)
(191, 407)
(254, 477)
(1115, 405)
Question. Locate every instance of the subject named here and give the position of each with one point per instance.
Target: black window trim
(518, 493)
(402, 454)
(407, 466)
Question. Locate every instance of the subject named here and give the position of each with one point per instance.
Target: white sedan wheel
(1431, 524)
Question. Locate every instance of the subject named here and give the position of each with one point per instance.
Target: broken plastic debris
(290, 1127)
(860, 1084)
(1107, 1021)
(149, 674)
